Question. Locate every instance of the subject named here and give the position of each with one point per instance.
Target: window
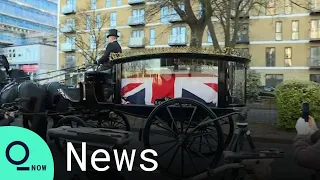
(152, 37)
(88, 22)
(98, 23)
(295, 30)
(70, 61)
(315, 78)
(138, 13)
(92, 42)
(137, 33)
(107, 40)
(71, 40)
(178, 34)
(272, 80)
(113, 19)
(315, 29)
(119, 2)
(173, 12)
(119, 38)
(108, 3)
(270, 57)
(243, 33)
(278, 30)
(164, 13)
(93, 4)
(271, 7)
(314, 56)
(287, 7)
(209, 39)
(200, 10)
(288, 56)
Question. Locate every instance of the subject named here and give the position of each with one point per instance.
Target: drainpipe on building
(58, 42)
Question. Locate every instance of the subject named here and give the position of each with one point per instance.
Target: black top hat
(113, 32)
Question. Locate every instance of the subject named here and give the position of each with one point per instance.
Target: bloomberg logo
(34, 167)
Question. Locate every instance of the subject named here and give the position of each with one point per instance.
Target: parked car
(267, 91)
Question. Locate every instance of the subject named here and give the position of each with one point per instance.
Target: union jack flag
(145, 90)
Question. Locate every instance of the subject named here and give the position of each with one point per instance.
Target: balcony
(314, 36)
(177, 40)
(68, 10)
(174, 17)
(67, 27)
(243, 39)
(136, 20)
(68, 47)
(314, 8)
(137, 42)
(135, 2)
(6, 40)
(314, 62)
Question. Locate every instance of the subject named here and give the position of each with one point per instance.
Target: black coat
(113, 47)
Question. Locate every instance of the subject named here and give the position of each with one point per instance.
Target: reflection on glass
(236, 83)
(147, 81)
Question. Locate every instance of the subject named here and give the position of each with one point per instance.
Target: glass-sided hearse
(187, 96)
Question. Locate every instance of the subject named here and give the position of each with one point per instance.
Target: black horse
(33, 105)
(55, 101)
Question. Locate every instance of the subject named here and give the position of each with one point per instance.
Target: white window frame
(113, 19)
(295, 33)
(88, 25)
(288, 56)
(92, 42)
(164, 14)
(152, 39)
(119, 2)
(137, 34)
(278, 30)
(98, 21)
(108, 3)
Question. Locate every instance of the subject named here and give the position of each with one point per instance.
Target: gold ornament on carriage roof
(151, 51)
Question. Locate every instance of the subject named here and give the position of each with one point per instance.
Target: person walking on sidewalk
(307, 145)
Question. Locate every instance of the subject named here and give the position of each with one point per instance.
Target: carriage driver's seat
(103, 84)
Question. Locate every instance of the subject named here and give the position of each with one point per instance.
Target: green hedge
(289, 98)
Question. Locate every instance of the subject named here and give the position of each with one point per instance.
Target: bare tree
(188, 14)
(85, 30)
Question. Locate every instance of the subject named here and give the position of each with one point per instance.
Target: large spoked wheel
(173, 129)
(71, 121)
(114, 120)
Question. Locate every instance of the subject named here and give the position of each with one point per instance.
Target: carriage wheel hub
(181, 139)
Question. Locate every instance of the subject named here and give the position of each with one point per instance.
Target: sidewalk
(260, 132)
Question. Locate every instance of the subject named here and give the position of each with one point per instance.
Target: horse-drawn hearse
(192, 101)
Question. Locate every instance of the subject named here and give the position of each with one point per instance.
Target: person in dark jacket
(6, 119)
(307, 145)
(112, 47)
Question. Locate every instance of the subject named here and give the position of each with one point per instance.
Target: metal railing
(314, 61)
(136, 20)
(68, 27)
(177, 39)
(67, 47)
(135, 1)
(68, 9)
(137, 42)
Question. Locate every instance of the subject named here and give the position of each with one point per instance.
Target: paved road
(263, 115)
(282, 169)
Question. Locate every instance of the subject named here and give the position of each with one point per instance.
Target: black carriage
(188, 96)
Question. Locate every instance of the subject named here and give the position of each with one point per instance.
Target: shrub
(289, 98)
(253, 85)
